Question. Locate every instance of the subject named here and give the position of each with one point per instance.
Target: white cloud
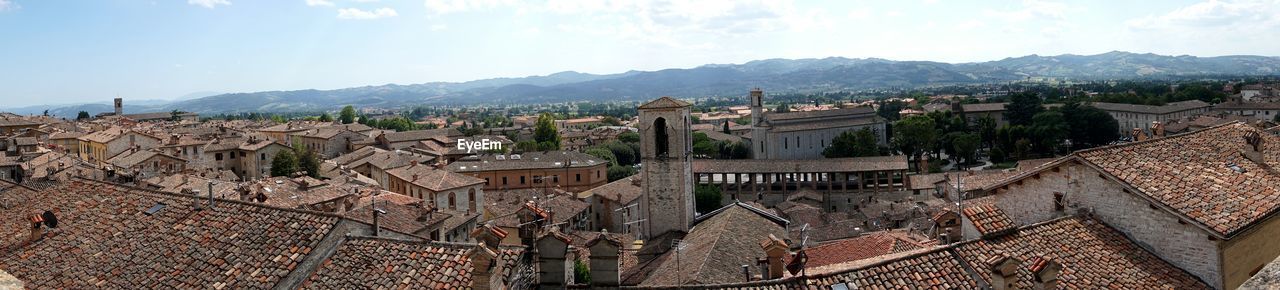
(438, 7)
(6, 5)
(1214, 14)
(208, 3)
(355, 13)
(1032, 9)
(319, 3)
(438, 27)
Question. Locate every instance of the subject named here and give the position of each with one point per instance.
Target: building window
(453, 201)
(522, 179)
(231, 155)
(486, 181)
(555, 178)
(1058, 205)
(537, 179)
(471, 200)
(504, 180)
(262, 156)
(577, 177)
(217, 156)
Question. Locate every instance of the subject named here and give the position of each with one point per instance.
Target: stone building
(328, 142)
(803, 135)
(666, 142)
(438, 187)
(566, 170)
(1141, 116)
(101, 146)
(1259, 111)
(1204, 201)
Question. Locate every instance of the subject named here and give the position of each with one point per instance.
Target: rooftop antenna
(376, 212)
(678, 245)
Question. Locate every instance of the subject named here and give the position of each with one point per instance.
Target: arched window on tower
(660, 137)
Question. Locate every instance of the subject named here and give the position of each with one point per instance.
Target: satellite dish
(50, 220)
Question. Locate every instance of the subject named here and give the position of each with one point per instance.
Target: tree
(912, 135)
(629, 137)
(581, 273)
(986, 127)
(623, 153)
(545, 132)
(738, 150)
(858, 143)
(175, 115)
(966, 147)
(284, 164)
(1089, 127)
(890, 109)
(308, 161)
(617, 172)
(348, 115)
(706, 198)
(611, 121)
(1022, 108)
(1048, 129)
(727, 131)
(783, 108)
(46, 113)
(82, 116)
(324, 117)
(602, 153)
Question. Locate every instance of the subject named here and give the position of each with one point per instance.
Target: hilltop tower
(758, 125)
(665, 145)
(119, 107)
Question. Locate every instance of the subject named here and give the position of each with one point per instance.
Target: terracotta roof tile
(104, 240)
(988, 218)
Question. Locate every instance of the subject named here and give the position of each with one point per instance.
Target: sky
(55, 52)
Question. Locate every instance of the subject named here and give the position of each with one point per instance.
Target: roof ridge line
(1214, 127)
(234, 201)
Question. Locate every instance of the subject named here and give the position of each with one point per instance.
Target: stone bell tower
(665, 145)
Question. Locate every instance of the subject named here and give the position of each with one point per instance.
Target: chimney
(775, 249)
(604, 261)
(415, 177)
(37, 231)
(211, 194)
(1157, 129)
(1004, 272)
(1045, 273)
(489, 235)
(482, 262)
(1138, 135)
(552, 248)
(195, 202)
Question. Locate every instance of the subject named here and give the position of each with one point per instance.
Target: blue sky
(77, 51)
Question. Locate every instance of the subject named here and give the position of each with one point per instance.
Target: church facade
(804, 135)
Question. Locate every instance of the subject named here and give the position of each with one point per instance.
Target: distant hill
(775, 75)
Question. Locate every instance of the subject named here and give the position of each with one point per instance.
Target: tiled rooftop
(987, 218)
(104, 240)
(374, 263)
(1192, 174)
(1093, 256)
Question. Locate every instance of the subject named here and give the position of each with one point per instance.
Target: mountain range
(774, 75)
